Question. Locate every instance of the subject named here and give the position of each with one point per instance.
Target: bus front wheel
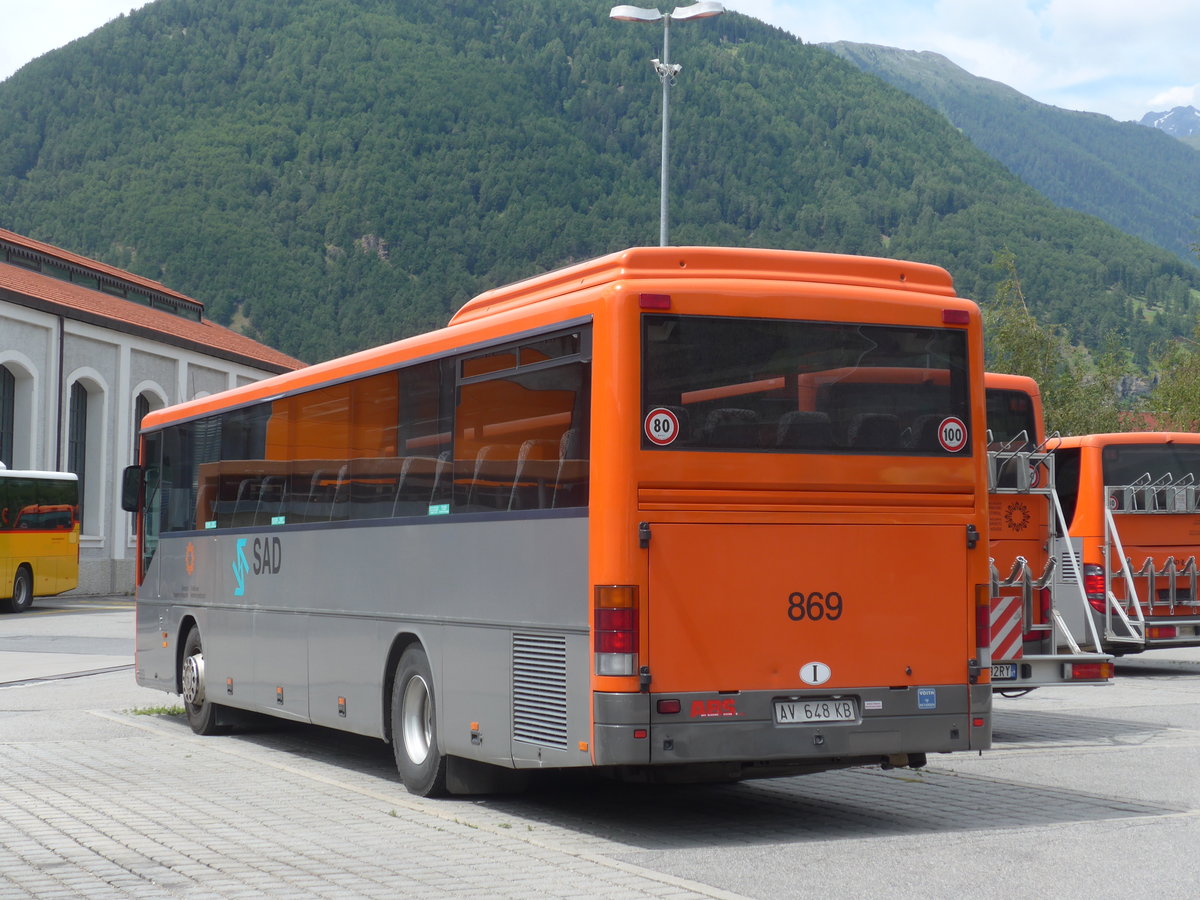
(414, 726)
(22, 591)
(201, 712)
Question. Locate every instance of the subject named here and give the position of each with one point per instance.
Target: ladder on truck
(1074, 655)
(1132, 621)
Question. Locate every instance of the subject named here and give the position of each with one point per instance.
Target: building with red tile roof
(86, 349)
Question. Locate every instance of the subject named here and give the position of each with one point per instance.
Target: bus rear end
(809, 584)
(1135, 506)
(1034, 597)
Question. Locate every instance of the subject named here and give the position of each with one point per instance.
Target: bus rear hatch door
(736, 607)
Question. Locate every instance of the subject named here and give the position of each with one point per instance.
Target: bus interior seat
(270, 500)
(532, 473)
(804, 430)
(568, 477)
(731, 427)
(490, 484)
(924, 431)
(874, 431)
(242, 511)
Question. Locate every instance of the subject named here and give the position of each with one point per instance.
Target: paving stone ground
(1088, 792)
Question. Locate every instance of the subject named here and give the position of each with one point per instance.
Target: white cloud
(1108, 56)
(1176, 96)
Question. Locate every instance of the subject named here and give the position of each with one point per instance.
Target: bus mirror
(131, 488)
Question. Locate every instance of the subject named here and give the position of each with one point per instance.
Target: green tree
(1080, 395)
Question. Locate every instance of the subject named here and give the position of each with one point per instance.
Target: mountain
(1134, 178)
(328, 176)
(1182, 122)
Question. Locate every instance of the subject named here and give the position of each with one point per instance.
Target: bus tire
(414, 726)
(202, 713)
(22, 591)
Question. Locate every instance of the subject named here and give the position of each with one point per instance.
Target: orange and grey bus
(598, 521)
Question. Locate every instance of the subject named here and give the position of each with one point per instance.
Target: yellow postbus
(39, 536)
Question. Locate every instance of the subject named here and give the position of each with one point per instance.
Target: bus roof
(704, 263)
(1003, 382)
(35, 473)
(712, 262)
(1131, 437)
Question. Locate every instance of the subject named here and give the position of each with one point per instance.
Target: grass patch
(174, 710)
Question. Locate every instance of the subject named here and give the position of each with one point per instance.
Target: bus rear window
(717, 383)
(1010, 418)
(1168, 463)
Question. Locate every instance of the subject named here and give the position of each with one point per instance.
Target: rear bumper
(628, 729)
(1185, 625)
(1047, 670)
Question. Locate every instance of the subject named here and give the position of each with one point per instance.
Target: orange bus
(39, 535)
(1132, 503)
(1039, 633)
(594, 523)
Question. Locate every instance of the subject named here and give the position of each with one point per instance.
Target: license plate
(1004, 672)
(788, 712)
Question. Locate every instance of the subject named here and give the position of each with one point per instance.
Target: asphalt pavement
(1088, 792)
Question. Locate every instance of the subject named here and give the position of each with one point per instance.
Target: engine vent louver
(540, 690)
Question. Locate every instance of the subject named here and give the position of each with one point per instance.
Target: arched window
(141, 408)
(85, 446)
(77, 433)
(8, 405)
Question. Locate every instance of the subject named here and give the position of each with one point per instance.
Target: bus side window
(518, 442)
(1066, 480)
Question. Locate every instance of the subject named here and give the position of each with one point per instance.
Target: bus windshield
(1127, 463)
(719, 383)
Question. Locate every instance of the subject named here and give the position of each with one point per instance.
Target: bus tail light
(983, 624)
(615, 629)
(1161, 632)
(1099, 671)
(1093, 585)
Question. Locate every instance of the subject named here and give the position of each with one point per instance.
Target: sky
(1116, 57)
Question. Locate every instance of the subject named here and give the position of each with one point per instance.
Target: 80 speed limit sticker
(661, 426)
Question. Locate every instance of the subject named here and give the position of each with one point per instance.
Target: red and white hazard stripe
(1006, 628)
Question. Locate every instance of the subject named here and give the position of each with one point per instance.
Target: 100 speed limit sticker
(952, 434)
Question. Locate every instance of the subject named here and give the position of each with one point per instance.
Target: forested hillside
(330, 175)
(1141, 180)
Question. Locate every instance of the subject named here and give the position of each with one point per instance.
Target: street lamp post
(666, 73)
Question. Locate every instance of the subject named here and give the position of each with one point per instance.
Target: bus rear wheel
(414, 726)
(22, 591)
(201, 712)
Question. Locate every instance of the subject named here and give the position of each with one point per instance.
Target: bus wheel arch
(422, 766)
(22, 589)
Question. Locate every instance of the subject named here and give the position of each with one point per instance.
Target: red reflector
(654, 301)
(669, 707)
(640, 734)
(955, 317)
(977, 722)
(1162, 631)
